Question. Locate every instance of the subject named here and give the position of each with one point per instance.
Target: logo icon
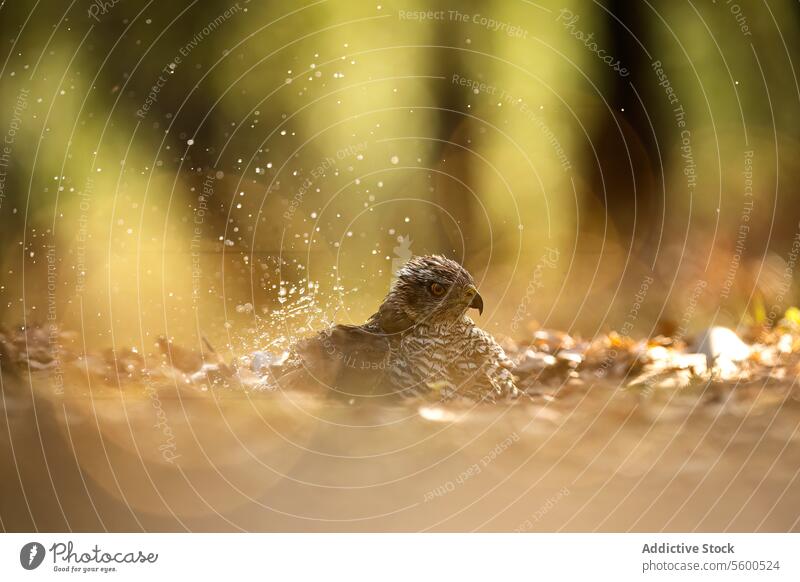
(31, 555)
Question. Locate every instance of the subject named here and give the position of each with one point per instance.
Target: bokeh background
(250, 171)
(228, 168)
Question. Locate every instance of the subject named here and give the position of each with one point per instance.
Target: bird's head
(431, 288)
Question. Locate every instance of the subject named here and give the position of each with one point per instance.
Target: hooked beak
(477, 300)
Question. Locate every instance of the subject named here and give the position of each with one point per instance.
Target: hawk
(419, 341)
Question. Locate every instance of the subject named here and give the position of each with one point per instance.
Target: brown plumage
(419, 341)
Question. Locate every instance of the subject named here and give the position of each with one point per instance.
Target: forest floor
(610, 435)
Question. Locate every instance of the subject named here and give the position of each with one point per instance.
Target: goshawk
(419, 341)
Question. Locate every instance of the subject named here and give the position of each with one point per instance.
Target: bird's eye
(437, 289)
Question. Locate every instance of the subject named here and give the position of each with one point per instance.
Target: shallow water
(603, 458)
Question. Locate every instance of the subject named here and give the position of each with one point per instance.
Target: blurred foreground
(642, 441)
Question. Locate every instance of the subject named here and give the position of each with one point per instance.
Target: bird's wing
(347, 358)
(391, 320)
